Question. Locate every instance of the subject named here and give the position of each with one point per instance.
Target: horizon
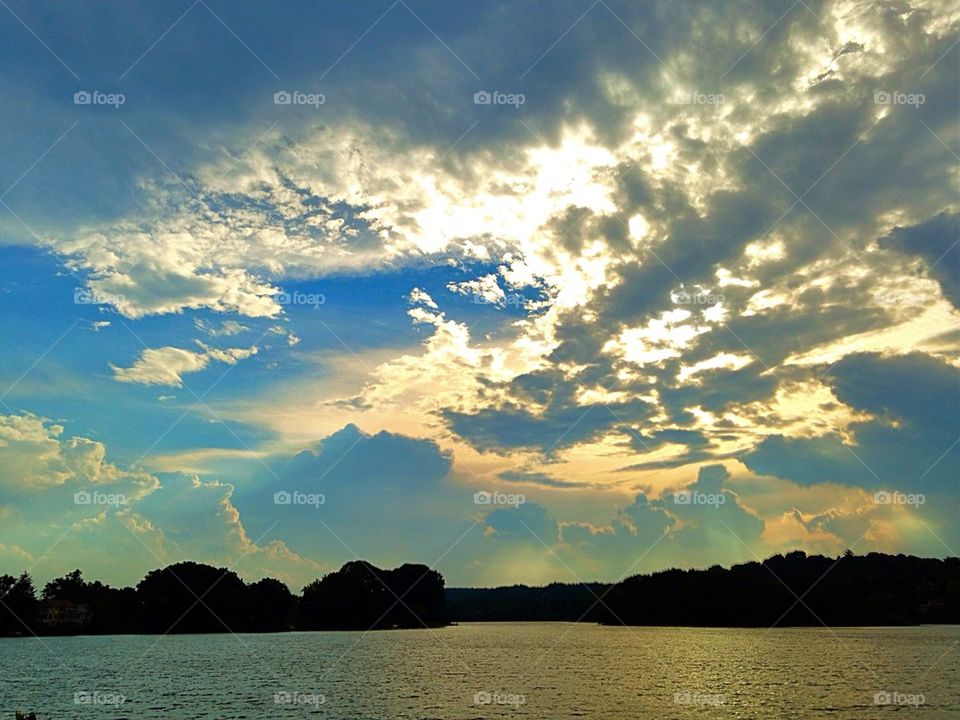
(608, 351)
(873, 590)
(528, 293)
(39, 583)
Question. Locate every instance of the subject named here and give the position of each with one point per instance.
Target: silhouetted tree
(361, 596)
(70, 587)
(18, 604)
(269, 606)
(420, 596)
(189, 597)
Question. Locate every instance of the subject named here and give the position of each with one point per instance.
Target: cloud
(561, 425)
(421, 297)
(909, 442)
(63, 505)
(37, 458)
(383, 495)
(167, 365)
(704, 523)
(187, 518)
(936, 242)
(226, 328)
(610, 200)
(484, 289)
(536, 478)
(713, 279)
(526, 523)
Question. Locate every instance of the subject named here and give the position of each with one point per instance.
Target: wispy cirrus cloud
(168, 365)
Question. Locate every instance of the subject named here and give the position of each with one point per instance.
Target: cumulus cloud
(484, 289)
(62, 503)
(36, 458)
(422, 297)
(187, 518)
(703, 523)
(633, 193)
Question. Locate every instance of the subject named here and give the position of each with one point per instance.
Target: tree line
(783, 590)
(794, 590)
(190, 597)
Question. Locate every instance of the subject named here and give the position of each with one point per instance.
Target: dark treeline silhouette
(188, 597)
(874, 589)
(361, 596)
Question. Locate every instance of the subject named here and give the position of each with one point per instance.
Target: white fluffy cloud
(483, 290)
(167, 365)
(63, 505)
(36, 458)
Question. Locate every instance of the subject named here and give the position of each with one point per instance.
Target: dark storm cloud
(559, 426)
(937, 242)
(912, 443)
(529, 523)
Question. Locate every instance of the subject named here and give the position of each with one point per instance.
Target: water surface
(492, 670)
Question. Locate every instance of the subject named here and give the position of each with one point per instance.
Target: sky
(522, 291)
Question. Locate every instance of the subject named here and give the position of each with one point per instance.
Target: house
(57, 613)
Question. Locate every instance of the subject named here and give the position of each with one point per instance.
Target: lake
(492, 670)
